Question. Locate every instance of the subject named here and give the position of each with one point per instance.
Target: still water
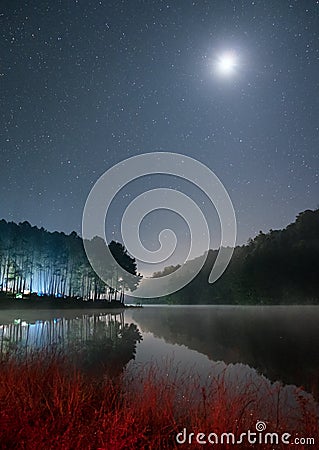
(273, 344)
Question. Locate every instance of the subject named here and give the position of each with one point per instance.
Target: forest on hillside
(34, 260)
(279, 267)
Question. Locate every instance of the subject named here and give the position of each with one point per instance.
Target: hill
(279, 267)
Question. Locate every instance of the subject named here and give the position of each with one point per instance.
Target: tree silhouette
(33, 260)
(278, 267)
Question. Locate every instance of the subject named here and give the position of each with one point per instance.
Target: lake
(279, 343)
(249, 363)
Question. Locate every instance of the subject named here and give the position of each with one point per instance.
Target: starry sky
(86, 84)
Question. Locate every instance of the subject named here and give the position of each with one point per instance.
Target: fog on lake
(273, 344)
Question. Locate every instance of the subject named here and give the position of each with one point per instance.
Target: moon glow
(226, 64)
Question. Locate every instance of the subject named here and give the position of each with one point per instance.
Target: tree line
(281, 266)
(278, 267)
(34, 260)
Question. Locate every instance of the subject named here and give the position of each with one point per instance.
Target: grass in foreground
(46, 403)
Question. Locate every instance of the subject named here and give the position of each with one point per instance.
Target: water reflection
(279, 342)
(223, 346)
(99, 343)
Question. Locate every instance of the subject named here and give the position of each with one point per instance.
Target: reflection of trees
(98, 343)
(109, 354)
(281, 343)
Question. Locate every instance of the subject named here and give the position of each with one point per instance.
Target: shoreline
(39, 303)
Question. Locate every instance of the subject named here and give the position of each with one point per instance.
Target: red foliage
(46, 403)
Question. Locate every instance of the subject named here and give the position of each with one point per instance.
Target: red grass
(45, 403)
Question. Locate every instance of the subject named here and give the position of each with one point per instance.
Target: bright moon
(226, 63)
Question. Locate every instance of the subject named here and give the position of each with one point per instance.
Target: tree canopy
(278, 267)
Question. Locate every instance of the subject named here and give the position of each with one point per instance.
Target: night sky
(86, 84)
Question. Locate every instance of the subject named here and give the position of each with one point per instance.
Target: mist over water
(279, 343)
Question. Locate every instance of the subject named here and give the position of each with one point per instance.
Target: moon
(226, 64)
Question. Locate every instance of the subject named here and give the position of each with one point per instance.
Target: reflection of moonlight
(226, 63)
